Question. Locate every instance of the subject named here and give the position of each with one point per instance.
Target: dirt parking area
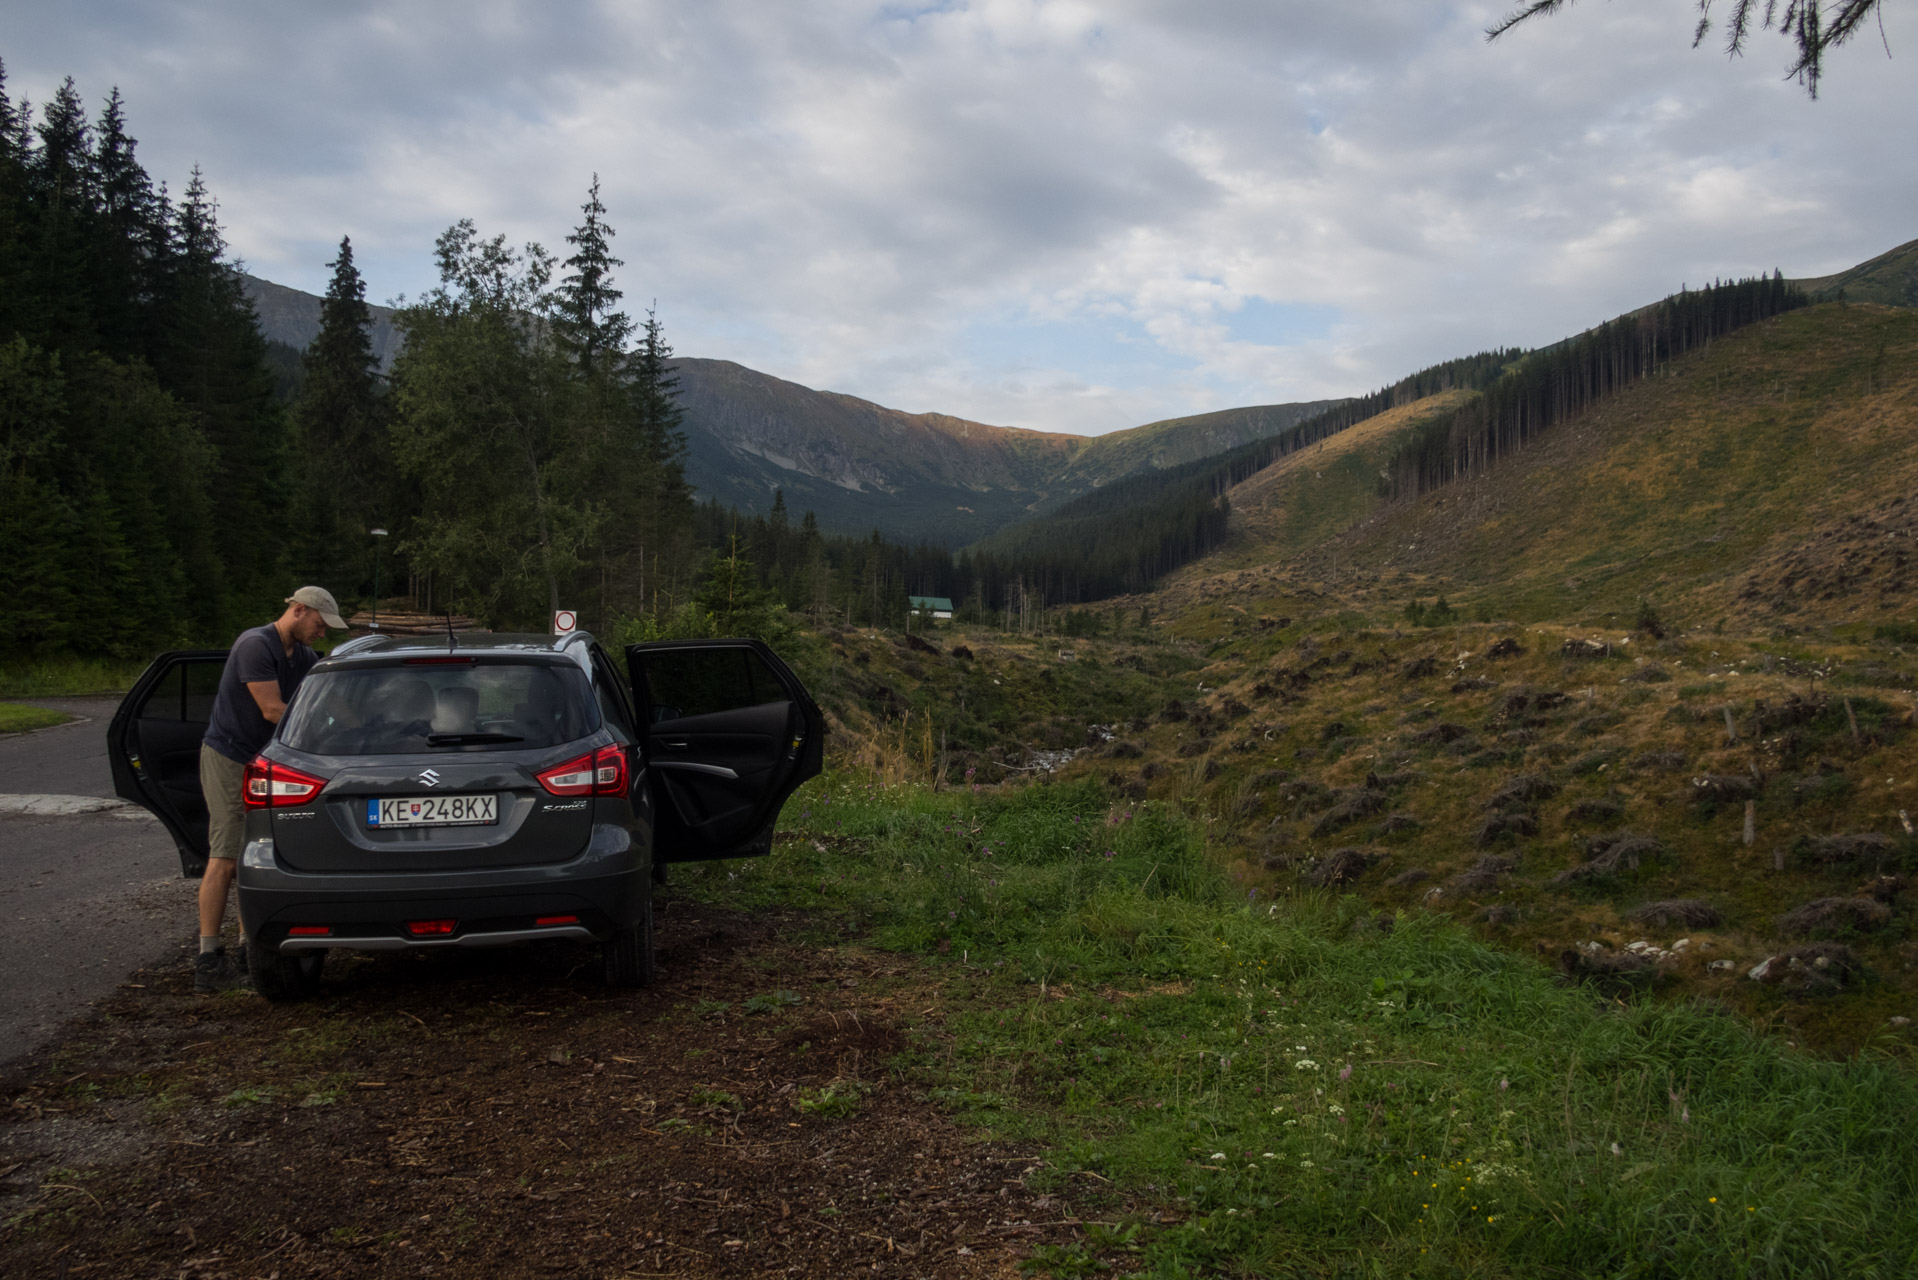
(503, 1114)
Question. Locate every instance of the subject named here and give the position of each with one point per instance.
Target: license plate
(432, 811)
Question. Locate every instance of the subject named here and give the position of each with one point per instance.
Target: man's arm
(267, 694)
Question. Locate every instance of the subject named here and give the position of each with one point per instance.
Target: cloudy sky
(1049, 213)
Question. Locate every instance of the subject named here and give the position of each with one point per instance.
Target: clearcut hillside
(1761, 482)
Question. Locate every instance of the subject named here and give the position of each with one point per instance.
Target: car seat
(458, 710)
(411, 704)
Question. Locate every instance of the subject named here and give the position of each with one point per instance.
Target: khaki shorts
(222, 781)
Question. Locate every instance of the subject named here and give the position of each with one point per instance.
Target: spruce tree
(211, 356)
(59, 189)
(340, 457)
(121, 264)
(13, 212)
(588, 320)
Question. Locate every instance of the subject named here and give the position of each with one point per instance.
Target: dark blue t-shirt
(236, 729)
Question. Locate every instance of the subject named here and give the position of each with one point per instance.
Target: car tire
(629, 953)
(284, 977)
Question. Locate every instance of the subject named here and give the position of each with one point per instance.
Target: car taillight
(574, 778)
(270, 785)
(609, 771)
(603, 773)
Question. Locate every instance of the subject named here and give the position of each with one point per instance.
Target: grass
(68, 677)
(1313, 1094)
(15, 718)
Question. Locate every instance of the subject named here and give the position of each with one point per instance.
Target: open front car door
(729, 733)
(153, 746)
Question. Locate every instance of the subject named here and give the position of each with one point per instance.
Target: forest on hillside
(1123, 537)
(167, 477)
(1563, 381)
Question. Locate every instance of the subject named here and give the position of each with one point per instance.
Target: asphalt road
(85, 898)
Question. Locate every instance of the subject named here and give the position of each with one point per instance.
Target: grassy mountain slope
(858, 465)
(1890, 278)
(1173, 442)
(1756, 495)
(1717, 489)
(1300, 501)
(1691, 488)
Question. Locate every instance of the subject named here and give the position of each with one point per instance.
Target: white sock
(209, 944)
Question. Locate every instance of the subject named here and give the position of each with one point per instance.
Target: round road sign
(565, 622)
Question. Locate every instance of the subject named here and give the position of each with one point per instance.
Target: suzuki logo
(431, 778)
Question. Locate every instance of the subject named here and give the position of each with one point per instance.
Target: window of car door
(615, 703)
(688, 684)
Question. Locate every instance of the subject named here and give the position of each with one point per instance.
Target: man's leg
(214, 886)
(221, 781)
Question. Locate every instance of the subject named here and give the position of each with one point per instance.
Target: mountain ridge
(858, 465)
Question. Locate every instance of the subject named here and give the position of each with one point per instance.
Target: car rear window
(451, 707)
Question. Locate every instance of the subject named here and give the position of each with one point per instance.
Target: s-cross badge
(431, 778)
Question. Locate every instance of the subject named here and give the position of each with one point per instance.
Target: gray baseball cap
(320, 600)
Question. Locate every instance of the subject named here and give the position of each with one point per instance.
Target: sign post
(565, 622)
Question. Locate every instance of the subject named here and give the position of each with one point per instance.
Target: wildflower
(1305, 1064)
(1218, 1155)
(1503, 1083)
(1714, 1199)
(1345, 1073)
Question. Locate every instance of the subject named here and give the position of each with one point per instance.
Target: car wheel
(629, 953)
(284, 977)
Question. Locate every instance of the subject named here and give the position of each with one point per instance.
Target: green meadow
(1231, 1084)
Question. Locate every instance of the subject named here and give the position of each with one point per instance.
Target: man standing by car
(264, 667)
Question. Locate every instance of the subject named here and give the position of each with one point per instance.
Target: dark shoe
(220, 970)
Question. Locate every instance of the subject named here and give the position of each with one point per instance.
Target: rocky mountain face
(293, 317)
(861, 466)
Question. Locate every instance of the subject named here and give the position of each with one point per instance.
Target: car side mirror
(665, 713)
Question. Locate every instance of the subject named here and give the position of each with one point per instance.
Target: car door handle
(717, 770)
(673, 744)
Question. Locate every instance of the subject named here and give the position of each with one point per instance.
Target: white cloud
(1062, 214)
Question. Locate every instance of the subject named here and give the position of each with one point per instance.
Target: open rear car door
(153, 746)
(728, 734)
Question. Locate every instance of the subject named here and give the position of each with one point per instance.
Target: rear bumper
(480, 938)
(587, 898)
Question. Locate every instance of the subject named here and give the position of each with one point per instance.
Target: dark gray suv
(478, 790)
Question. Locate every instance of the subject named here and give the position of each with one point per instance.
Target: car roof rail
(354, 645)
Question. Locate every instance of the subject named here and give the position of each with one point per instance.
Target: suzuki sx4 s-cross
(478, 790)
